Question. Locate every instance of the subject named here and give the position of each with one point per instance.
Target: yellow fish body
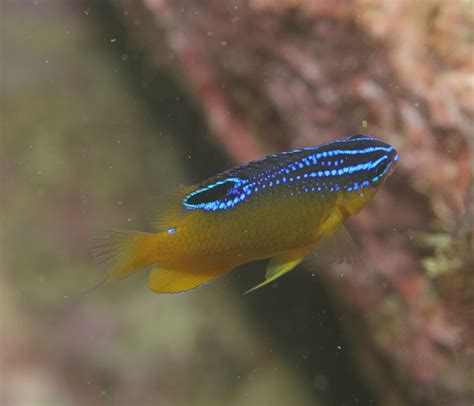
(281, 207)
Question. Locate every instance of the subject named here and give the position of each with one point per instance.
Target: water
(92, 131)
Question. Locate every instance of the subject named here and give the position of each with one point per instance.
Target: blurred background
(105, 105)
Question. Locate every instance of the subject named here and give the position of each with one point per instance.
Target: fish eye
(381, 168)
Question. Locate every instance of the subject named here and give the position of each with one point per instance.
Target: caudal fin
(123, 253)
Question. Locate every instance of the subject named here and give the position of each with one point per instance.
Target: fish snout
(393, 161)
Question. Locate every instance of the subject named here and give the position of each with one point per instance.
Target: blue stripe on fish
(344, 165)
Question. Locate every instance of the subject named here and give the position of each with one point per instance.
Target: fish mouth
(393, 164)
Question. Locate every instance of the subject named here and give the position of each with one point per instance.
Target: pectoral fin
(280, 265)
(336, 247)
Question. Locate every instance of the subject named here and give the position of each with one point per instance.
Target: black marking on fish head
(218, 195)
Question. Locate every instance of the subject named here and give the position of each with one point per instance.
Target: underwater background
(106, 105)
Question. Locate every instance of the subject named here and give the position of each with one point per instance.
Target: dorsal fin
(259, 166)
(359, 137)
(170, 209)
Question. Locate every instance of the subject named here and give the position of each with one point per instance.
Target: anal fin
(280, 265)
(164, 280)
